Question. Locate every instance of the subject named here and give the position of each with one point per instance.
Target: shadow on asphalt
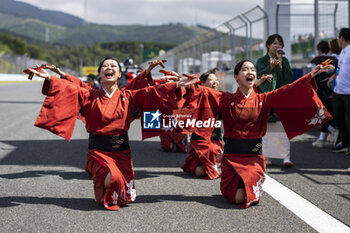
(144, 174)
(40, 173)
(87, 204)
(315, 163)
(63, 153)
(146, 154)
(84, 204)
(216, 201)
(55, 153)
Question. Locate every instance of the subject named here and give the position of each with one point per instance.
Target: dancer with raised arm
(245, 114)
(108, 113)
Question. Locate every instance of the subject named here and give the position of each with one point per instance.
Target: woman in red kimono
(142, 80)
(174, 141)
(245, 114)
(108, 113)
(204, 155)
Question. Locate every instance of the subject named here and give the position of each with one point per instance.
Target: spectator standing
(324, 92)
(334, 47)
(275, 142)
(341, 96)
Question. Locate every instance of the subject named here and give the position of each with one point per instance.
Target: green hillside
(73, 56)
(92, 33)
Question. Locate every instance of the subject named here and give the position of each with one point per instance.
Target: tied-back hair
(239, 65)
(334, 46)
(205, 75)
(108, 58)
(272, 38)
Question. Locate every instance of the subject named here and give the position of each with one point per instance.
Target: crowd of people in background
(308, 37)
(334, 91)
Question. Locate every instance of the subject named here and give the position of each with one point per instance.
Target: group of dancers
(109, 111)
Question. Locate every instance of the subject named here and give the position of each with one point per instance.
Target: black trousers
(341, 108)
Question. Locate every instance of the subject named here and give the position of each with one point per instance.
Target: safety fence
(244, 36)
(238, 38)
(15, 64)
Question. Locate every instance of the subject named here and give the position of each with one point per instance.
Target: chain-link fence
(238, 38)
(306, 28)
(244, 36)
(15, 64)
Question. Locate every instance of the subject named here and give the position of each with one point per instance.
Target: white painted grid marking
(309, 213)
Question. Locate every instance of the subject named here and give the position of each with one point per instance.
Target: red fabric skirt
(174, 142)
(122, 188)
(206, 153)
(251, 168)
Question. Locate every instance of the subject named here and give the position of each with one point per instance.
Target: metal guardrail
(220, 46)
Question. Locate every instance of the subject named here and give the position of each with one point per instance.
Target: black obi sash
(109, 143)
(216, 135)
(243, 146)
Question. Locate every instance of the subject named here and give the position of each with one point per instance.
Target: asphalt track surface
(44, 188)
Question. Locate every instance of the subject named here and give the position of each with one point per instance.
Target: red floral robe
(174, 142)
(297, 106)
(205, 153)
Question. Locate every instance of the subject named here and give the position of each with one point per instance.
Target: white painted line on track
(309, 213)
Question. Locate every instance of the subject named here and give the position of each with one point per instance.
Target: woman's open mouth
(109, 75)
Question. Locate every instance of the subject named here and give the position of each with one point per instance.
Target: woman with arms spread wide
(108, 113)
(245, 114)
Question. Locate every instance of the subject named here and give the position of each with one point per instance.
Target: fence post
(246, 35)
(232, 40)
(316, 25)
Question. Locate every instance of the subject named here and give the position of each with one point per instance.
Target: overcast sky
(151, 12)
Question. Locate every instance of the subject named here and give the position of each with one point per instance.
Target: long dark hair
(334, 46)
(108, 58)
(239, 65)
(272, 38)
(205, 75)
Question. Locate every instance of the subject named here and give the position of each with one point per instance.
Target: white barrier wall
(17, 77)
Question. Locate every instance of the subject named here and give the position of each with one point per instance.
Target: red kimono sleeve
(77, 81)
(159, 100)
(141, 81)
(202, 104)
(60, 108)
(298, 106)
